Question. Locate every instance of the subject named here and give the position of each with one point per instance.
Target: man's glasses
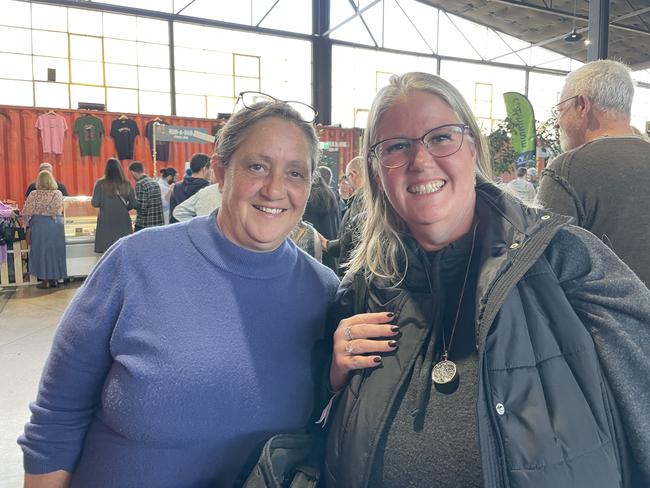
(441, 141)
(555, 111)
(250, 99)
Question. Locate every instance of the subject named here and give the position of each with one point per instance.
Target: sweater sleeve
(557, 194)
(614, 306)
(69, 392)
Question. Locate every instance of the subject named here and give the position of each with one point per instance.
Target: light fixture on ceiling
(574, 35)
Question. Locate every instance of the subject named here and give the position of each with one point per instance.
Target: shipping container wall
(21, 149)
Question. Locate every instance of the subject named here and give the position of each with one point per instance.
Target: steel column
(598, 29)
(321, 61)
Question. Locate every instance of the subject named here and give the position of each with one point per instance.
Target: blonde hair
(45, 181)
(381, 249)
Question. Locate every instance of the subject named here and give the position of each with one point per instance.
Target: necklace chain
(445, 349)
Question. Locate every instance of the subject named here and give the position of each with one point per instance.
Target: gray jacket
(564, 358)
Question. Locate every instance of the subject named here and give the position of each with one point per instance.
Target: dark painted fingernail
(395, 328)
(390, 314)
(392, 343)
(377, 359)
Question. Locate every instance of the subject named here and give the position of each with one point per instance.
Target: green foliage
(500, 142)
(501, 152)
(548, 137)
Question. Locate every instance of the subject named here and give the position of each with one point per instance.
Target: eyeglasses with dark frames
(440, 142)
(555, 110)
(250, 99)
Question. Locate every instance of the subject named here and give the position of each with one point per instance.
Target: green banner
(521, 114)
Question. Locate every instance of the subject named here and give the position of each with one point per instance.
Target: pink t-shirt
(52, 127)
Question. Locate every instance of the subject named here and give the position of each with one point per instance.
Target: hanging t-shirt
(89, 129)
(52, 127)
(162, 147)
(124, 132)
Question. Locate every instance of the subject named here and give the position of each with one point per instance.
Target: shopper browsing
(200, 177)
(114, 196)
(141, 390)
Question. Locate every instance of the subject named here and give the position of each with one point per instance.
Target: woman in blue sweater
(173, 375)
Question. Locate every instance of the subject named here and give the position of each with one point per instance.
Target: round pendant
(444, 372)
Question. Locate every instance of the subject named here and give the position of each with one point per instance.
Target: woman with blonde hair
(494, 344)
(43, 213)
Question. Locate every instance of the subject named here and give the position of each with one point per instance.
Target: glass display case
(80, 222)
(80, 219)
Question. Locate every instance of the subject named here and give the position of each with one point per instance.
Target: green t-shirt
(89, 130)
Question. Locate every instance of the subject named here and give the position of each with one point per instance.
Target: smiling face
(265, 185)
(435, 196)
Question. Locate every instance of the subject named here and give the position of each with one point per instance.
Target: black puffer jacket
(564, 358)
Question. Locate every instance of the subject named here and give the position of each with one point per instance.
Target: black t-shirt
(439, 446)
(124, 132)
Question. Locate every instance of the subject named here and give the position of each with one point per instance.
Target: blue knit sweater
(179, 355)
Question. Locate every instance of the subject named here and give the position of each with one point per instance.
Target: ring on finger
(348, 347)
(348, 333)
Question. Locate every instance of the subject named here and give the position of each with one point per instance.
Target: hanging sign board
(178, 133)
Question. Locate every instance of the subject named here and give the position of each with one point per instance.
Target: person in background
(201, 177)
(322, 213)
(114, 197)
(141, 392)
(602, 179)
(43, 213)
(47, 167)
(166, 183)
(533, 178)
(203, 202)
(326, 175)
(521, 187)
(344, 244)
(514, 347)
(345, 191)
(148, 196)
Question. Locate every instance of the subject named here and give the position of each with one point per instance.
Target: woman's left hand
(356, 345)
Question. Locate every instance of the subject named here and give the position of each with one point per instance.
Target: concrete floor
(28, 317)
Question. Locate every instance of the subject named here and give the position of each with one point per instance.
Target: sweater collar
(209, 240)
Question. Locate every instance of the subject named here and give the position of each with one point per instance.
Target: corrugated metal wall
(21, 149)
(347, 142)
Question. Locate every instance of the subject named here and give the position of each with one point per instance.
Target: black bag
(287, 461)
(6, 232)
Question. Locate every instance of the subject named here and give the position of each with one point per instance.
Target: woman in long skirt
(43, 213)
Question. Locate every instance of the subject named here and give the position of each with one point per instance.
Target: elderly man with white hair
(602, 178)
(46, 167)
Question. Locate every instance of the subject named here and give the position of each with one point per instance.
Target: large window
(483, 87)
(214, 65)
(71, 56)
(358, 73)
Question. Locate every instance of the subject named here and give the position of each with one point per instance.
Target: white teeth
(430, 187)
(273, 211)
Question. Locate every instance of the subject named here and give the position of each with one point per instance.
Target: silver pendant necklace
(445, 371)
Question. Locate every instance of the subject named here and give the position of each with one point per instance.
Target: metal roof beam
(569, 15)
